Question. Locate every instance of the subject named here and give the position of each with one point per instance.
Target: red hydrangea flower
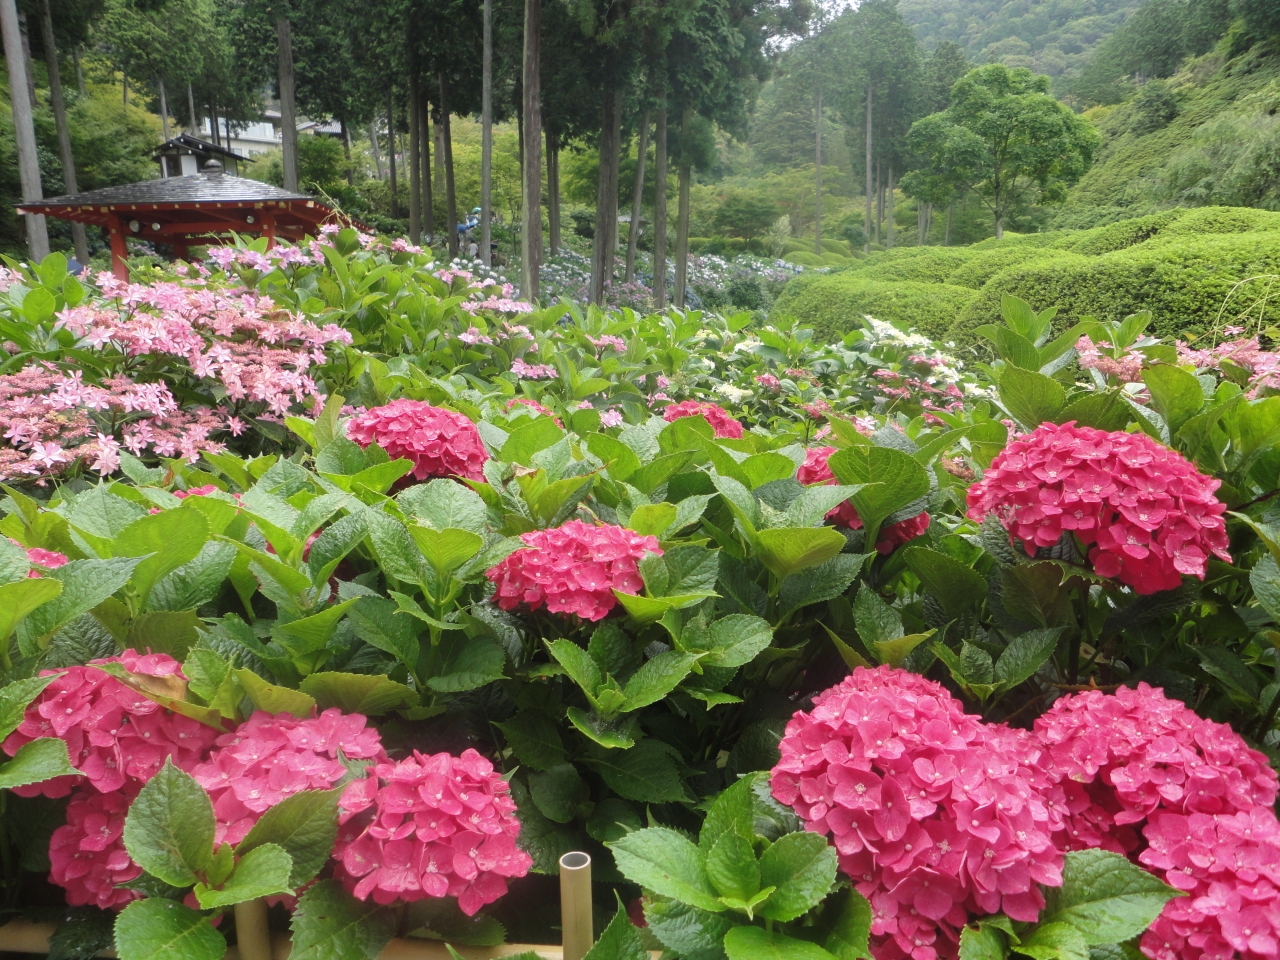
(723, 424)
(39, 557)
(273, 756)
(441, 443)
(1146, 514)
(113, 732)
(572, 568)
(430, 826)
(815, 470)
(936, 817)
(87, 855)
(1187, 798)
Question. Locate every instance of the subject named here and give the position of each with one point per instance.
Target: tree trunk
(606, 190)
(450, 197)
(531, 217)
(288, 106)
(26, 60)
(75, 58)
(890, 235)
(60, 121)
(124, 86)
(682, 236)
(817, 173)
(999, 226)
(164, 113)
(428, 195)
(373, 143)
(213, 124)
(553, 192)
(415, 171)
(346, 153)
(637, 198)
(867, 246)
(438, 172)
(24, 130)
(879, 199)
(391, 157)
(660, 210)
(191, 112)
(486, 133)
(946, 240)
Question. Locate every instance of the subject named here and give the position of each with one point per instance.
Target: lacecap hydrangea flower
(430, 826)
(1146, 514)
(936, 817)
(573, 568)
(725, 426)
(86, 854)
(270, 757)
(440, 443)
(1185, 797)
(816, 470)
(113, 732)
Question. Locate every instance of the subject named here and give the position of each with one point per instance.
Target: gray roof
(194, 189)
(198, 145)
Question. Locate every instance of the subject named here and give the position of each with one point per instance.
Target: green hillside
(1191, 268)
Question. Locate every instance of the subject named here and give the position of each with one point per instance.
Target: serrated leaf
(377, 623)
(732, 868)
(983, 942)
(35, 762)
(850, 932)
(801, 867)
(14, 699)
(262, 872)
(369, 694)
(1024, 655)
(85, 584)
(756, 943)
(647, 772)
(158, 929)
(788, 550)
(273, 699)
(1031, 397)
(1175, 393)
(821, 583)
(304, 825)
(656, 678)
(1054, 941)
(666, 862)
(955, 585)
(169, 829)
(330, 924)
(81, 933)
(875, 620)
(167, 540)
(1105, 897)
(535, 739)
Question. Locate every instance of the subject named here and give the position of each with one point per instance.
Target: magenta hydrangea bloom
(936, 817)
(113, 732)
(272, 756)
(573, 568)
(1187, 798)
(725, 426)
(441, 443)
(1145, 512)
(430, 826)
(87, 856)
(816, 470)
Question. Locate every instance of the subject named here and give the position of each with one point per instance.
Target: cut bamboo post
(253, 936)
(575, 905)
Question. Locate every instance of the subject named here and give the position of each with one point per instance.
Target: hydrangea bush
(820, 650)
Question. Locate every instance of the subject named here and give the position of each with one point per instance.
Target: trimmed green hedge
(833, 303)
(1183, 265)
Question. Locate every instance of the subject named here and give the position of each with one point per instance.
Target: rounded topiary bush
(981, 265)
(833, 304)
(1205, 220)
(802, 258)
(918, 264)
(1118, 236)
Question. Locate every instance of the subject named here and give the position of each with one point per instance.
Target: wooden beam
(119, 250)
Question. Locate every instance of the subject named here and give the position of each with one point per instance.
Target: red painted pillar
(269, 229)
(119, 251)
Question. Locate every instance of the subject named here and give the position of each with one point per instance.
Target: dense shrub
(835, 304)
(982, 265)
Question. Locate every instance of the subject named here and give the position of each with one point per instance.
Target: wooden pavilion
(198, 210)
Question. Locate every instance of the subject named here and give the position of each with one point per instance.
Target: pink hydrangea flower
(1187, 798)
(769, 382)
(441, 443)
(1145, 512)
(114, 734)
(723, 424)
(39, 557)
(573, 568)
(433, 826)
(87, 856)
(273, 756)
(816, 470)
(936, 817)
(535, 406)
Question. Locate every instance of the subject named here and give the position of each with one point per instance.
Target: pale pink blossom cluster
(535, 406)
(533, 371)
(1261, 366)
(936, 816)
(1146, 514)
(441, 443)
(572, 568)
(721, 422)
(113, 732)
(497, 304)
(816, 470)
(1189, 800)
(430, 826)
(270, 757)
(472, 337)
(608, 341)
(769, 382)
(1126, 369)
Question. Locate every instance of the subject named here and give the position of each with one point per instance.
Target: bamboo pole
(252, 933)
(575, 905)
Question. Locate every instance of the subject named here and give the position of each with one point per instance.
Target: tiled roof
(194, 189)
(201, 146)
